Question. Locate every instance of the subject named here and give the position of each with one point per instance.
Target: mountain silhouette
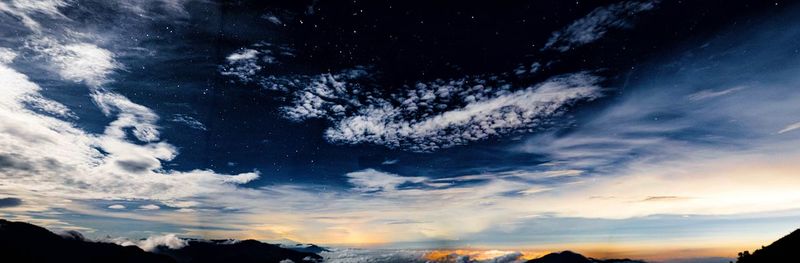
(572, 257)
(310, 248)
(782, 250)
(23, 243)
(246, 251)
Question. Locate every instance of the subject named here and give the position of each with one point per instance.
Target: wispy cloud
(790, 127)
(189, 121)
(708, 94)
(596, 24)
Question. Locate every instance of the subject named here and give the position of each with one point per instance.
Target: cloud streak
(597, 24)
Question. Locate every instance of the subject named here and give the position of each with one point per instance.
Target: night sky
(600, 126)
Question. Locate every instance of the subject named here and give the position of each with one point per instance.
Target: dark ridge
(23, 242)
(245, 251)
(572, 257)
(309, 248)
(782, 250)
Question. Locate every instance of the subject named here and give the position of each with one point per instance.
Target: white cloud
(116, 206)
(49, 106)
(149, 207)
(530, 108)
(352, 255)
(596, 24)
(790, 127)
(23, 9)
(69, 163)
(7, 55)
(189, 121)
(423, 117)
(434, 115)
(371, 180)
(248, 64)
(242, 178)
(129, 115)
(79, 62)
(171, 241)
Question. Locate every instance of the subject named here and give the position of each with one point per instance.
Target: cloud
(7, 55)
(272, 19)
(708, 94)
(242, 178)
(171, 241)
(367, 255)
(49, 106)
(52, 155)
(390, 162)
(420, 256)
(596, 24)
(433, 115)
(189, 121)
(371, 180)
(24, 9)
(149, 207)
(242, 64)
(790, 127)
(79, 62)
(248, 64)
(116, 206)
(524, 109)
(10, 202)
(54, 163)
(129, 115)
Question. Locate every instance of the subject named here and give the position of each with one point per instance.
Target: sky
(652, 129)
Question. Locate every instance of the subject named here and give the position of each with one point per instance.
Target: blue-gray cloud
(10, 202)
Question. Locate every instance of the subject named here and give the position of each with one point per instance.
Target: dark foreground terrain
(572, 257)
(782, 250)
(23, 242)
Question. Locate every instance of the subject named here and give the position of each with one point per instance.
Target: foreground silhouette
(572, 257)
(23, 242)
(782, 250)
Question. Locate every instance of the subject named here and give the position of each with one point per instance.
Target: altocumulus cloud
(431, 115)
(428, 115)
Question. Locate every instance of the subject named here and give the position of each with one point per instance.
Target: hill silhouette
(23, 243)
(310, 248)
(782, 250)
(247, 251)
(572, 257)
